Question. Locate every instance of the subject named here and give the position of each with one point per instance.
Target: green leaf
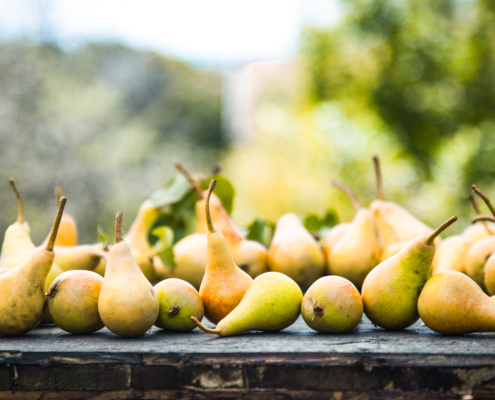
(103, 237)
(260, 230)
(223, 189)
(330, 219)
(313, 222)
(163, 247)
(174, 191)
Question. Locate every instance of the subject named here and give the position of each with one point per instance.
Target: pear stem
(192, 182)
(53, 234)
(204, 328)
(379, 181)
(20, 212)
(477, 210)
(119, 233)
(211, 228)
(349, 192)
(485, 199)
(483, 217)
(440, 229)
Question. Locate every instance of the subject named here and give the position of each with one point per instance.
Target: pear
(294, 252)
(178, 300)
(54, 272)
(489, 275)
(333, 235)
(393, 248)
(251, 257)
(73, 302)
(390, 292)
(190, 258)
(22, 298)
(4, 270)
(332, 305)
(272, 303)
(476, 258)
(452, 254)
(17, 245)
(81, 257)
(479, 229)
(224, 284)
(357, 251)
(67, 233)
(128, 304)
(394, 223)
(451, 303)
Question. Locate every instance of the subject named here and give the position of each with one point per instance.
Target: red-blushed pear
(451, 303)
(357, 251)
(272, 303)
(22, 294)
(224, 283)
(390, 292)
(17, 245)
(128, 304)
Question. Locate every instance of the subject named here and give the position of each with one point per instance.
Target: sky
(209, 32)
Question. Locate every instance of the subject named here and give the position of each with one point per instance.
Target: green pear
(357, 251)
(22, 295)
(128, 304)
(17, 245)
(272, 303)
(390, 292)
(294, 252)
(332, 305)
(73, 302)
(451, 303)
(178, 300)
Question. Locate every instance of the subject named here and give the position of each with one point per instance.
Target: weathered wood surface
(296, 363)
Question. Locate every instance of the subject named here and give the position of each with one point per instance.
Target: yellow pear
(251, 257)
(272, 303)
(52, 274)
(394, 223)
(476, 258)
(489, 275)
(294, 252)
(453, 304)
(393, 248)
(17, 245)
(390, 292)
(190, 259)
(128, 304)
(80, 257)
(452, 254)
(333, 235)
(357, 251)
(224, 284)
(22, 298)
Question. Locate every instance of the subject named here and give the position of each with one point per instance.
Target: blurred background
(101, 97)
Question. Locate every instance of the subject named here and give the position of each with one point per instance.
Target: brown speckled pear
(22, 294)
(128, 304)
(17, 245)
(224, 284)
(451, 303)
(357, 251)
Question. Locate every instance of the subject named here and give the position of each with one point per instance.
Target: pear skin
(452, 254)
(22, 295)
(358, 250)
(224, 284)
(73, 302)
(332, 305)
(489, 276)
(295, 253)
(477, 255)
(17, 244)
(190, 259)
(178, 300)
(391, 290)
(251, 257)
(451, 303)
(393, 248)
(333, 235)
(128, 304)
(272, 303)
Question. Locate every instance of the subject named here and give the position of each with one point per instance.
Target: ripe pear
(128, 304)
(22, 298)
(479, 229)
(224, 284)
(332, 305)
(178, 300)
(80, 257)
(272, 303)
(393, 248)
(390, 292)
(476, 258)
(489, 276)
(146, 265)
(357, 251)
(67, 233)
(251, 257)
(17, 245)
(452, 254)
(4, 270)
(73, 302)
(333, 235)
(451, 303)
(52, 274)
(394, 223)
(190, 258)
(294, 252)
